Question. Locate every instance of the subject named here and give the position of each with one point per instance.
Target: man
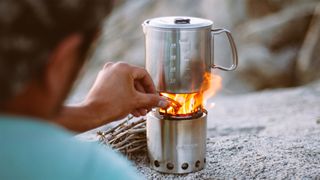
(43, 44)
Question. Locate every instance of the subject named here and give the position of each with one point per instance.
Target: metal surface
(177, 57)
(176, 146)
(233, 47)
(179, 22)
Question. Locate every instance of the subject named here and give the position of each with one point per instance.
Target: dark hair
(30, 29)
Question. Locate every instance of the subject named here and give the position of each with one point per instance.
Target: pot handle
(232, 46)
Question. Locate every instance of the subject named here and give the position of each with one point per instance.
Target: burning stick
(172, 103)
(128, 137)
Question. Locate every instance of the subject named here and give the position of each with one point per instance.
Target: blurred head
(43, 44)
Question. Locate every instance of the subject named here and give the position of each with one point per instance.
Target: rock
(280, 29)
(281, 112)
(261, 68)
(308, 63)
(257, 9)
(269, 46)
(260, 158)
(261, 8)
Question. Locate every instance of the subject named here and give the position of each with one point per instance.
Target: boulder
(261, 68)
(280, 29)
(308, 61)
(270, 46)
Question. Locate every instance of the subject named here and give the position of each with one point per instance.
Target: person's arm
(80, 118)
(119, 89)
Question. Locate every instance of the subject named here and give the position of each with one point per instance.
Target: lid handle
(181, 21)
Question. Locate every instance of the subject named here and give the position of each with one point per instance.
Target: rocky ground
(253, 157)
(273, 134)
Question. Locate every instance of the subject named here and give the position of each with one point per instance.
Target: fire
(212, 84)
(185, 104)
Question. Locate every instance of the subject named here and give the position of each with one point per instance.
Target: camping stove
(179, 58)
(176, 145)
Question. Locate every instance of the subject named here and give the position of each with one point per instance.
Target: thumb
(145, 100)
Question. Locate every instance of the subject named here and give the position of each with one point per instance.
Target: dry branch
(128, 137)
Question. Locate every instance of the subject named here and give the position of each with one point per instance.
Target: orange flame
(212, 83)
(185, 104)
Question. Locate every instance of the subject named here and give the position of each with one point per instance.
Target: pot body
(179, 51)
(178, 58)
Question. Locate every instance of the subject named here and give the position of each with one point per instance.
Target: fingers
(139, 75)
(143, 111)
(139, 87)
(139, 112)
(136, 113)
(148, 101)
(142, 76)
(108, 64)
(140, 98)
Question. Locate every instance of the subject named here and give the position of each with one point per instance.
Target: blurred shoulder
(40, 150)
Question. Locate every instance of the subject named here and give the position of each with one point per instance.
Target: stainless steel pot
(179, 50)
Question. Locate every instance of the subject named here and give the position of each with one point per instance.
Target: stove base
(176, 146)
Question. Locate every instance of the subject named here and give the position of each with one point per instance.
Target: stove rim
(163, 116)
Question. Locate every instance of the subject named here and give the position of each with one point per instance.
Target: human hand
(121, 89)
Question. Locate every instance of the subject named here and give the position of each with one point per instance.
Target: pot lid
(180, 22)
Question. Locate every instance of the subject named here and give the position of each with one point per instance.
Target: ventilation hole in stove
(198, 164)
(204, 160)
(156, 163)
(185, 166)
(170, 166)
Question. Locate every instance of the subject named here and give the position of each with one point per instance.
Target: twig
(128, 137)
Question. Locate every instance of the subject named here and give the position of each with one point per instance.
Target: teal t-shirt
(35, 149)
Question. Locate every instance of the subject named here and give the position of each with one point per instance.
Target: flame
(185, 104)
(212, 83)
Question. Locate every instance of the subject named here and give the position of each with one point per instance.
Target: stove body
(176, 146)
(179, 52)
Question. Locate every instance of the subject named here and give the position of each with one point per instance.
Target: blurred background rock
(278, 40)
